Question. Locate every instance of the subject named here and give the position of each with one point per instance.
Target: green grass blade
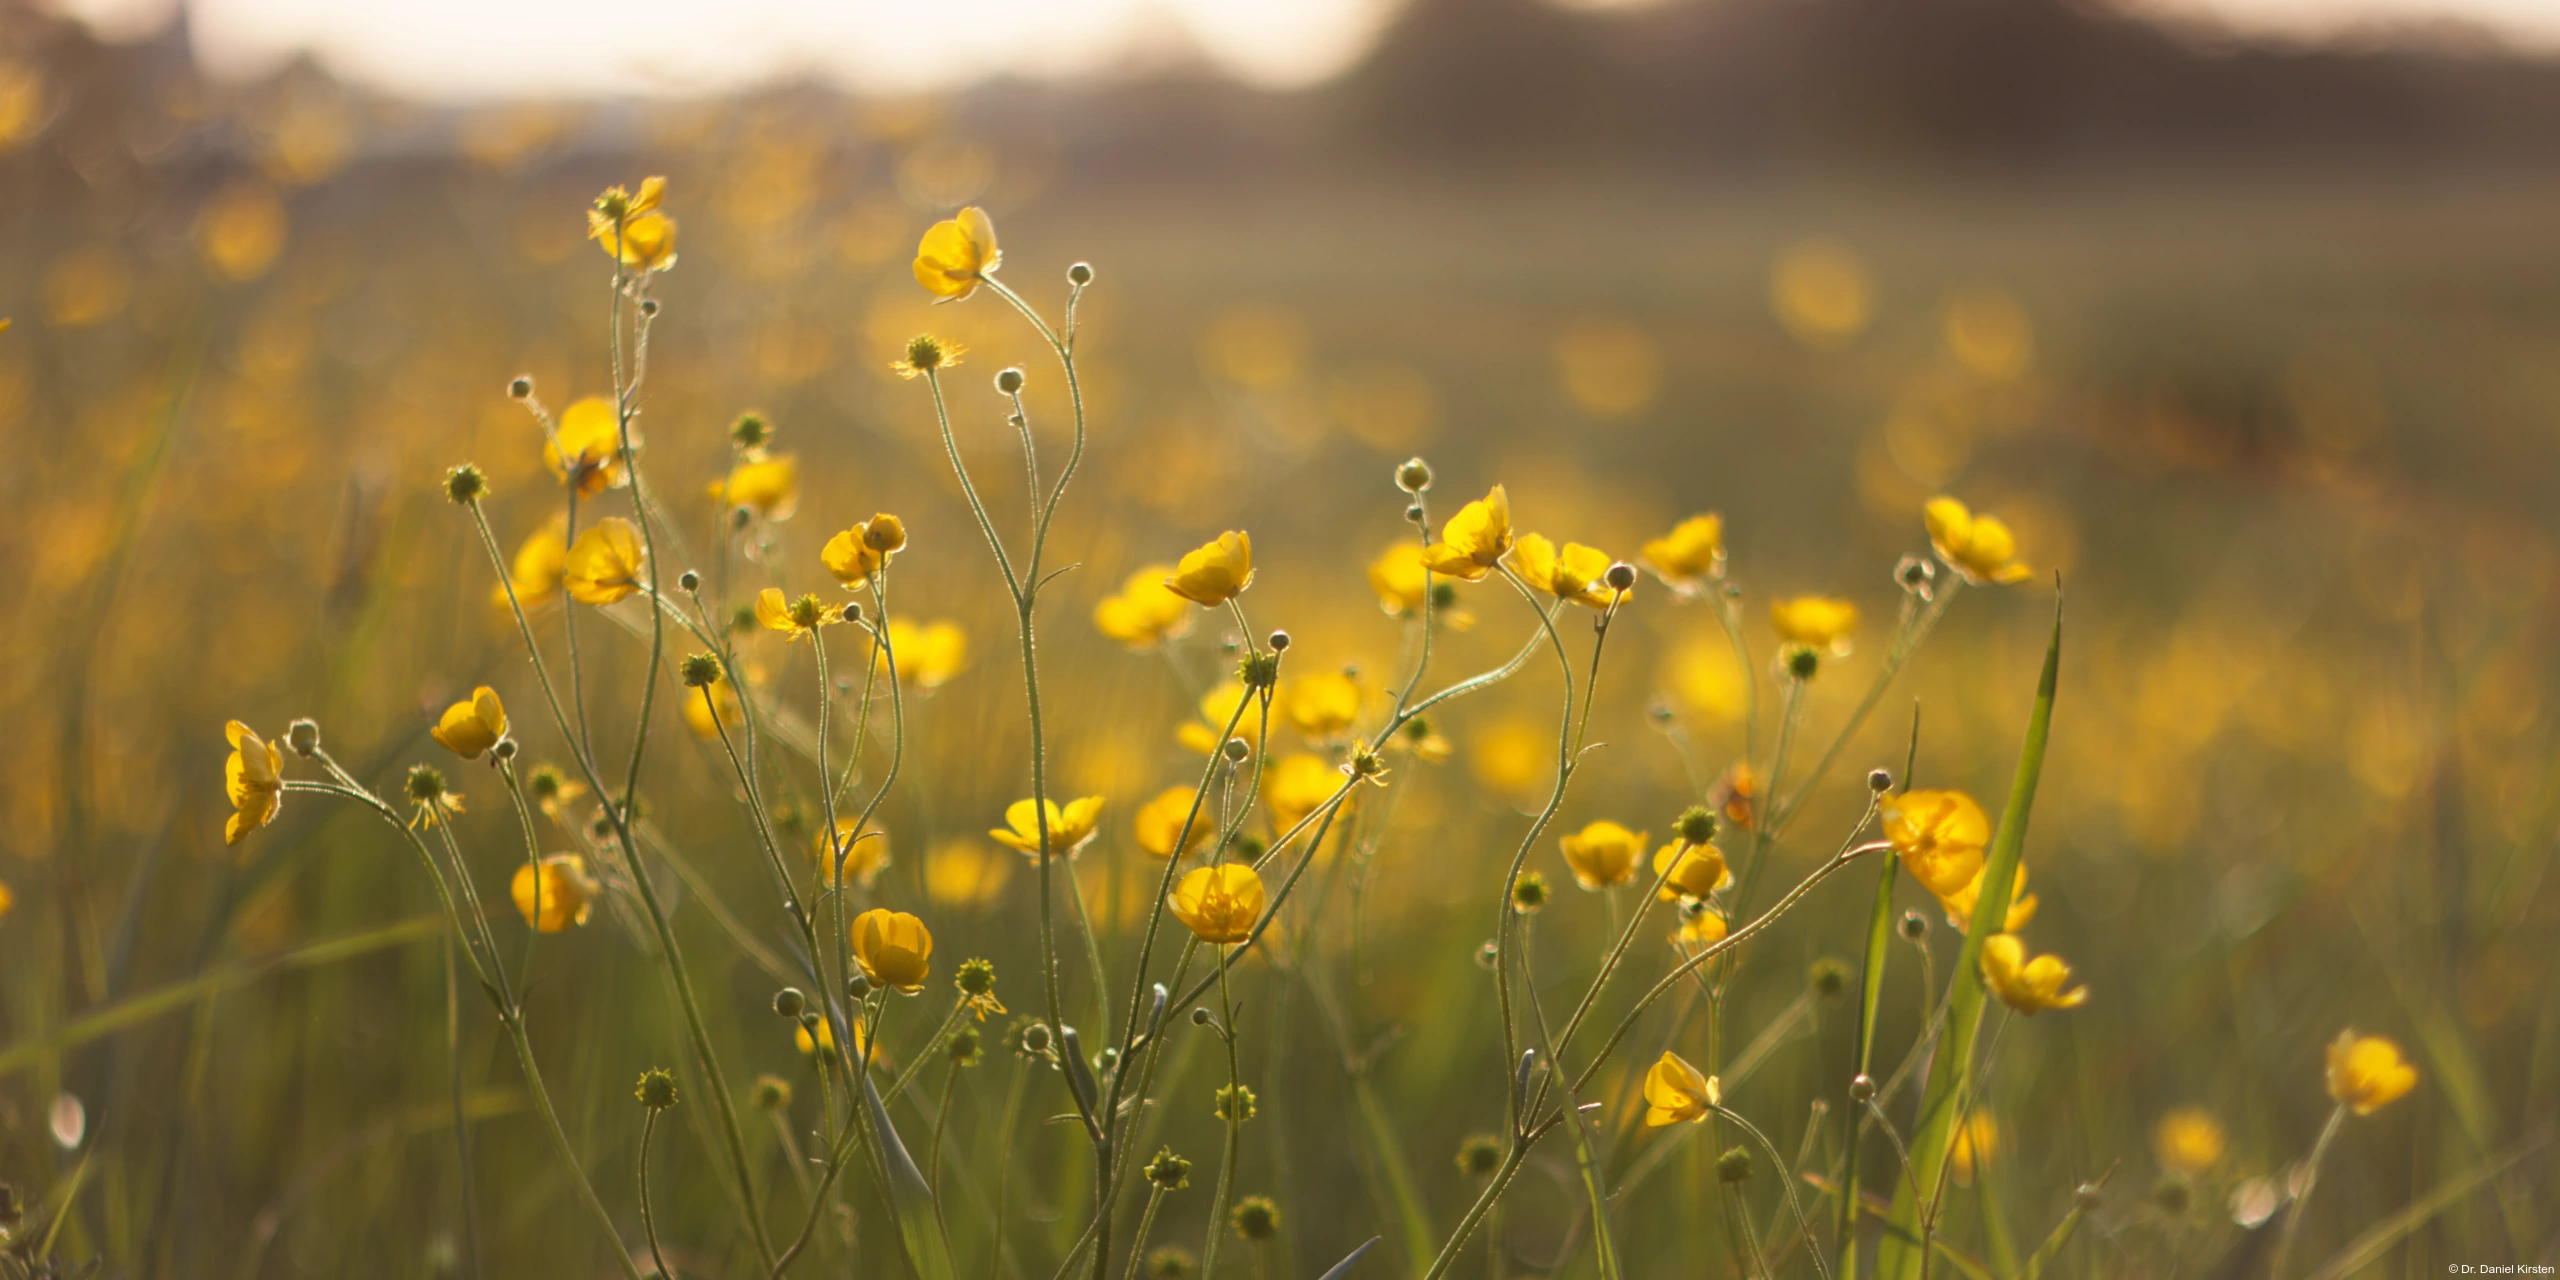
(910, 1198)
(1870, 997)
(1952, 1065)
(2361, 1251)
(1413, 1222)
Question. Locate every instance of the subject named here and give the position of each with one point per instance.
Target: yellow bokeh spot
(1610, 368)
(1510, 756)
(241, 231)
(1988, 332)
(1822, 292)
(1390, 407)
(964, 873)
(1255, 346)
(1709, 683)
(22, 104)
(86, 287)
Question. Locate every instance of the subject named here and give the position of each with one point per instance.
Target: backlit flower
(1959, 905)
(1701, 925)
(472, 725)
(254, 777)
(1693, 870)
(854, 554)
(1160, 822)
(1324, 704)
(1296, 786)
(1146, 612)
(1219, 904)
(1820, 622)
(2188, 1140)
(560, 896)
(1473, 541)
(865, 853)
(1603, 854)
(1573, 573)
(927, 656)
(957, 253)
(2030, 986)
(1403, 585)
(770, 487)
(604, 564)
(2366, 1073)
(1069, 826)
(1939, 837)
(794, 618)
(632, 228)
(585, 448)
(893, 948)
(1215, 572)
(1977, 1141)
(1216, 707)
(1979, 547)
(1677, 1093)
(539, 562)
(1692, 552)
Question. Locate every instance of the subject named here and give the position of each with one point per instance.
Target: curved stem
(649, 1219)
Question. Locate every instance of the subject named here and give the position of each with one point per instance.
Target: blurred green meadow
(2286, 438)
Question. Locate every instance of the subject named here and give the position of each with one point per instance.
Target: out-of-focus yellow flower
(964, 873)
(1736, 795)
(1069, 827)
(1574, 574)
(1160, 822)
(1424, 739)
(1473, 541)
(1403, 585)
(809, 1044)
(1146, 612)
(254, 777)
(1959, 905)
(1677, 1093)
(1692, 552)
(957, 253)
(1296, 786)
(770, 487)
(794, 618)
(631, 227)
(1216, 707)
(2188, 1140)
(1702, 926)
(240, 232)
(1324, 704)
(1219, 904)
(1977, 1143)
(1510, 756)
(701, 705)
(1939, 837)
(2366, 1073)
(2030, 986)
(1980, 547)
(1693, 870)
(865, 853)
(585, 448)
(893, 948)
(1603, 854)
(855, 554)
(6, 901)
(1822, 292)
(560, 896)
(604, 564)
(1820, 622)
(927, 656)
(472, 725)
(538, 566)
(1216, 571)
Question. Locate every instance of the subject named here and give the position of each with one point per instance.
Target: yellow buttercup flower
(1219, 904)
(2030, 986)
(472, 725)
(560, 896)
(1296, 786)
(585, 448)
(1700, 926)
(855, 554)
(893, 948)
(1977, 1140)
(1979, 547)
(1939, 836)
(2188, 1140)
(1324, 704)
(6, 901)
(865, 853)
(254, 777)
(1473, 541)
(1146, 612)
(1069, 826)
(1959, 905)
(770, 487)
(1736, 795)
(2366, 1073)
(1215, 708)
(539, 562)
(1695, 870)
(1603, 854)
(824, 1041)
(604, 564)
(1574, 573)
(1404, 584)
(1677, 1093)
(632, 228)
(957, 254)
(1160, 823)
(1692, 552)
(927, 656)
(1215, 572)
(794, 618)
(1821, 622)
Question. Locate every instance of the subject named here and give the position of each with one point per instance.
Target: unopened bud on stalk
(1414, 513)
(1914, 926)
(689, 581)
(504, 750)
(1414, 476)
(304, 737)
(657, 1089)
(1879, 781)
(1080, 275)
(857, 987)
(466, 484)
(701, 670)
(1862, 1087)
(1199, 1017)
(1237, 749)
(1734, 1165)
(1696, 825)
(750, 431)
(1279, 642)
(790, 1002)
(648, 308)
(1035, 1038)
(1009, 381)
(1622, 576)
(521, 388)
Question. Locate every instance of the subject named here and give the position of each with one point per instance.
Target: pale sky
(465, 49)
